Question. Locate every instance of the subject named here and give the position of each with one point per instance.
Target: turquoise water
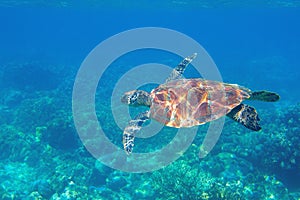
(42, 47)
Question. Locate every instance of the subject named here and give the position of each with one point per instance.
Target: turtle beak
(128, 97)
(124, 98)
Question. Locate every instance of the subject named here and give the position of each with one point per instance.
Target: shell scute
(190, 102)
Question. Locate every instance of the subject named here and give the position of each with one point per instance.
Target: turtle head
(136, 98)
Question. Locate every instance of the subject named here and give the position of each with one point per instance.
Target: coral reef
(29, 76)
(181, 180)
(43, 158)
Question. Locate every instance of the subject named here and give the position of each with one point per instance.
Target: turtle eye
(132, 99)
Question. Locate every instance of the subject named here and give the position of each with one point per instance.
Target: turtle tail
(264, 96)
(245, 115)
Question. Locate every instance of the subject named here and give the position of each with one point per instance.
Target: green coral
(182, 181)
(220, 177)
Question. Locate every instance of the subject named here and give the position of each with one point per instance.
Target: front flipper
(131, 129)
(178, 71)
(246, 115)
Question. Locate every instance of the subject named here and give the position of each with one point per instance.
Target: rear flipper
(245, 115)
(264, 96)
(131, 129)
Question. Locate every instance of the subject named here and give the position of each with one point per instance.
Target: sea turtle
(189, 102)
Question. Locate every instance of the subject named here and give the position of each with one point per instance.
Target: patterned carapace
(190, 102)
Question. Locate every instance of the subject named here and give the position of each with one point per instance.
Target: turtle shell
(191, 102)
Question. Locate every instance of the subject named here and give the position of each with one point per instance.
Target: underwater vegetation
(43, 158)
(183, 181)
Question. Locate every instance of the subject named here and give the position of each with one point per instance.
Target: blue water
(42, 46)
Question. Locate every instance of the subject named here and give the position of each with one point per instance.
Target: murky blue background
(42, 46)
